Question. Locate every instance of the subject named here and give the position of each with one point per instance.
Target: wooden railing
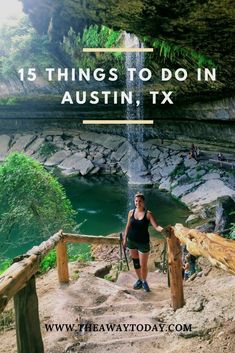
(19, 280)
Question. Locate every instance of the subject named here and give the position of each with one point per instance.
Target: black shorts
(141, 247)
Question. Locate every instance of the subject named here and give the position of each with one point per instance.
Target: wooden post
(62, 262)
(175, 270)
(28, 331)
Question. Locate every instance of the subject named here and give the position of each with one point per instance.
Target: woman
(136, 237)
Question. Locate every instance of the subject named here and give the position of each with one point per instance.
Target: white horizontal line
(119, 122)
(120, 50)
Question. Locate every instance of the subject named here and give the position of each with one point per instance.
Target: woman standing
(136, 237)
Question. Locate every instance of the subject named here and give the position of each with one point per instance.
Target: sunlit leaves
(33, 204)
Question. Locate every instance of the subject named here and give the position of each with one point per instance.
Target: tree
(33, 204)
(22, 46)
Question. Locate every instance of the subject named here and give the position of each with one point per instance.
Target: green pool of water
(102, 204)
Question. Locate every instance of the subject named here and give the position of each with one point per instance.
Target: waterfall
(135, 133)
(136, 169)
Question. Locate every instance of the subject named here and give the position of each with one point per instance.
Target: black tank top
(138, 230)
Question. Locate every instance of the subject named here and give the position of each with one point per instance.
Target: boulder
(154, 153)
(58, 141)
(69, 172)
(161, 164)
(132, 164)
(97, 155)
(49, 138)
(95, 170)
(81, 145)
(182, 178)
(85, 166)
(154, 161)
(35, 145)
(100, 161)
(121, 151)
(156, 176)
(151, 143)
(164, 156)
(93, 148)
(57, 158)
(223, 214)
(194, 173)
(165, 184)
(106, 140)
(181, 190)
(190, 162)
(167, 170)
(22, 142)
(207, 193)
(72, 161)
(210, 176)
(107, 152)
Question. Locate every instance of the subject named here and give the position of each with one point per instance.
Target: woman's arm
(127, 228)
(154, 222)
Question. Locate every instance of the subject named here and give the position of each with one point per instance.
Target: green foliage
(79, 252)
(8, 101)
(33, 204)
(116, 269)
(94, 36)
(21, 46)
(48, 262)
(47, 150)
(178, 171)
(7, 320)
(4, 265)
(170, 53)
(231, 234)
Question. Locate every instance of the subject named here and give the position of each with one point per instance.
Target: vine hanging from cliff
(96, 37)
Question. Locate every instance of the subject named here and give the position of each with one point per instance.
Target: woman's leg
(135, 255)
(144, 264)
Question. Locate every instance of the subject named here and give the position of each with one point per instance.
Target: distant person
(220, 157)
(187, 268)
(193, 153)
(136, 237)
(192, 264)
(197, 152)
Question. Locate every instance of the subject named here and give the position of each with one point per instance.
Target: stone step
(119, 326)
(142, 343)
(129, 307)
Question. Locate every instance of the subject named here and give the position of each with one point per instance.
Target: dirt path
(140, 320)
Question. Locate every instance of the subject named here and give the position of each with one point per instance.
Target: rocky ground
(91, 300)
(198, 184)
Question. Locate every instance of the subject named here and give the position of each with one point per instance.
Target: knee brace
(136, 263)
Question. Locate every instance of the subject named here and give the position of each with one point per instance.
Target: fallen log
(218, 250)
